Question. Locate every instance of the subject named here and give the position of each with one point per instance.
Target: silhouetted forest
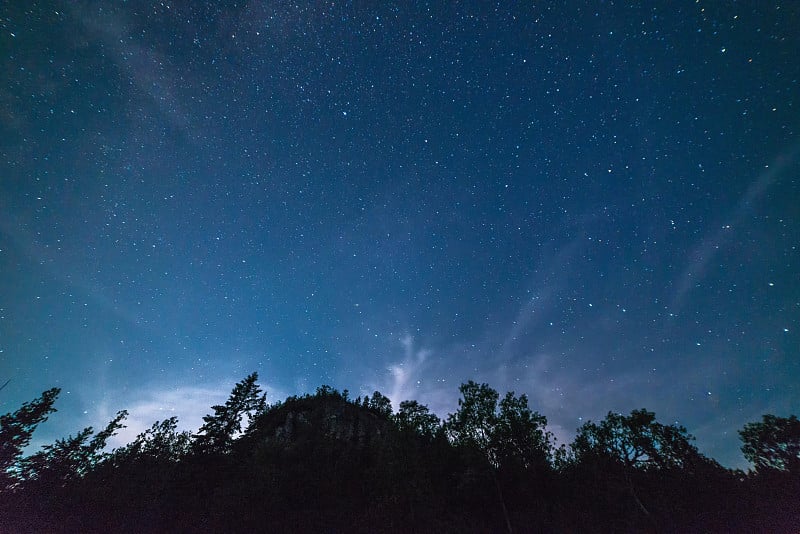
(329, 463)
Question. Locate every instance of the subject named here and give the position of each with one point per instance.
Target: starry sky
(593, 203)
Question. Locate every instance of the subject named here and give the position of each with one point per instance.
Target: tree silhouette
(512, 435)
(161, 442)
(508, 438)
(637, 442)
(519, 438)
(16, 430)
(773, 444)
(72, 457)
(415, 417)
(326, 463)
(381, 404)
(472, 425)
(219, 430)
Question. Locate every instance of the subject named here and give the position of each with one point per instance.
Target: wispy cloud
(715, 241)
(144, 66)
(188, 403)
(547, 281)
(416, 373)
(408, 372)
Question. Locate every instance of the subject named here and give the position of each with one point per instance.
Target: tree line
(325, 462)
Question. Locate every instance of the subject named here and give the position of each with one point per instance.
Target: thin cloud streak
(188, 403)
(715, 241)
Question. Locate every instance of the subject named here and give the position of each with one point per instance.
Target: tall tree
(220, 429)
(16, 430)
(519, 438)
(773, 443)
(508, 434)
(511, 437)
(72, 457)
(161, 442)
(415, 417)
(636, 442)
(473, 424)
(381, 404)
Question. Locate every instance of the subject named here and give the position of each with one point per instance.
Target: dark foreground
(327, 463)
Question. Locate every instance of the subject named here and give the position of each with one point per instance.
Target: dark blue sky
(594, 203)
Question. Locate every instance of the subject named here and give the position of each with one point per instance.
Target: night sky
(594, 203)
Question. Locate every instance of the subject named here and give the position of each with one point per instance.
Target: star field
(595, 204)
